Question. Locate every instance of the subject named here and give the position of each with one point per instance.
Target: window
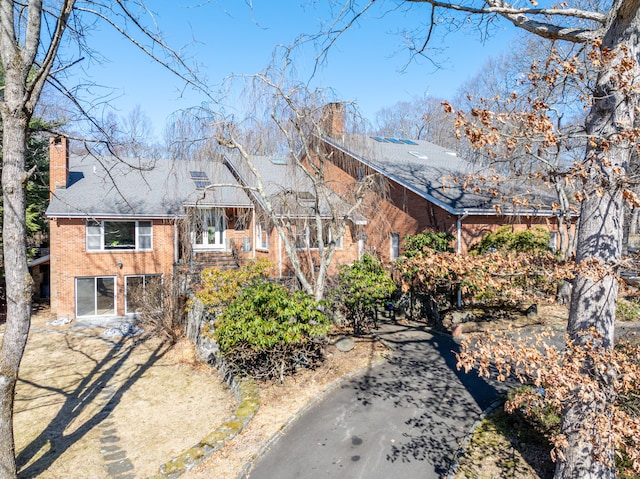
(200, 179)
(395, 246)
(209, 228)
(142, 292)
(262, 236)
(95, 296)
(307, 235)
(119, 235)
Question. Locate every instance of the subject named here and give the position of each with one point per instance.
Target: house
(120, 226)
(427, 187)
(117, 228)
(296, 202)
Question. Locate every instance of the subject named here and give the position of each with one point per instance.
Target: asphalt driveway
(404, 418)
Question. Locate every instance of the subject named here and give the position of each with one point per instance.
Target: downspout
(461, 218)
(253, 233)
(175, 240)
(279, 257)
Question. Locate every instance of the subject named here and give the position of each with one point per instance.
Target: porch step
(222, 260)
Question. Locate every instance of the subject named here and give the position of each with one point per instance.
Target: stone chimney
(333, 119)
(58, 164)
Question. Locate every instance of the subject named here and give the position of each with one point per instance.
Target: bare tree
(612, 28)
(32, 34)
(498, 105)
(131, 135)
(310, 217)
(421, 118)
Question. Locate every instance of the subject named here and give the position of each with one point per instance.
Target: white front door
(210, 228)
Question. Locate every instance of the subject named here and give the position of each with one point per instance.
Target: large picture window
(96, 296)
(119, 235)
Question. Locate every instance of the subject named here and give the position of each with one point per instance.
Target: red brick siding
(70, 259)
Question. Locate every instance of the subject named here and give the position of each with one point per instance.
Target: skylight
(200, 179)
(279, 161)
(396, 141)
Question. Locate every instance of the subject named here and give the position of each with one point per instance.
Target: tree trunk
(600, 231)
(18, 279)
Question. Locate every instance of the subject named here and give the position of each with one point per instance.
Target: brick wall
(70, 259)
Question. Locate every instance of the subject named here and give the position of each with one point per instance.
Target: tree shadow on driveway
(88, 394)
(421, 376)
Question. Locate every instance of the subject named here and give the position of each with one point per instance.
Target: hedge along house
(119, 226)
(427, 187)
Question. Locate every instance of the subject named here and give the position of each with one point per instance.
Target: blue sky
(369, 64)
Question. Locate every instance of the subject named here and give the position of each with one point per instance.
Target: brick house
(422, 187)
(118, 227)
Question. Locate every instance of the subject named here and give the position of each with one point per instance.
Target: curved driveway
(401, 419)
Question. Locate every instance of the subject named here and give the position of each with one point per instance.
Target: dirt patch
(88, 406)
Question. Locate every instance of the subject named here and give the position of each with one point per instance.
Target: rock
(456, 330)
(458, 317)
(345, 344)
(532, 311)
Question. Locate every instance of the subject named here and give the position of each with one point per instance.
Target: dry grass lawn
(85, 403)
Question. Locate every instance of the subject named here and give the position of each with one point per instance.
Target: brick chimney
(58, 164)
(333, 119)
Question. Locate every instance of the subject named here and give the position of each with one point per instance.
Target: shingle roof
(107, 187)
(290, 191)
(438, 175)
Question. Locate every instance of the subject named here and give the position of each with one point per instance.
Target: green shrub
(362, 287)
(269, 331)
(219, 288)
(528, 241)
(416, 244)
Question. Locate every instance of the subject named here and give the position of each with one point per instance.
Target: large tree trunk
(600, 233)
(18, 279)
